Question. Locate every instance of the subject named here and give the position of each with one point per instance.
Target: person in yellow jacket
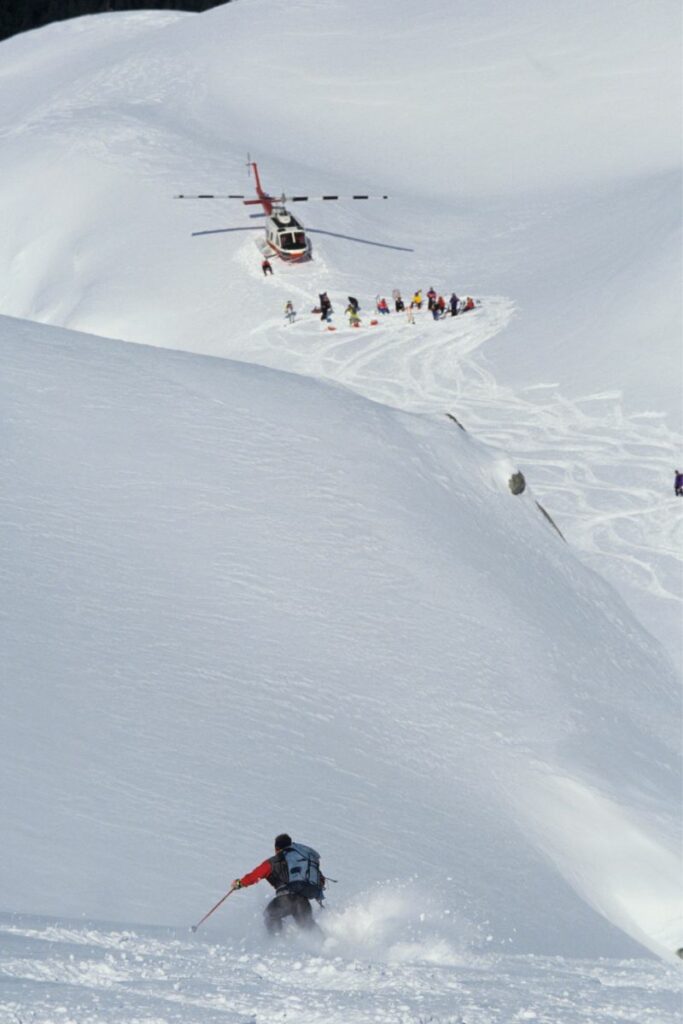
(353, 315)
(416, 301)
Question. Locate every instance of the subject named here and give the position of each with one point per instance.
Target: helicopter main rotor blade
(316, 199)
(226, 231)
(354, 238)
(206, 195)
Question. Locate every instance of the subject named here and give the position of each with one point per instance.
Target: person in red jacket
(292, 896)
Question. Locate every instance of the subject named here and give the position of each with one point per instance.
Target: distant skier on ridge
(294, 872)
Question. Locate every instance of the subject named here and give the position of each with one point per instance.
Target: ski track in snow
(86, 974)
(576, 454)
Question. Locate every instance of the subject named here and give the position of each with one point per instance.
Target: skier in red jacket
(294, 872)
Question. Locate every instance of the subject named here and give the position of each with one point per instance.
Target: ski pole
(194, 927)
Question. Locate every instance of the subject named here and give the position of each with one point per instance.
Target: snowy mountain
(571, 216)
(280, 588)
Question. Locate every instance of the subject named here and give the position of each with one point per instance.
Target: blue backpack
(303, 869)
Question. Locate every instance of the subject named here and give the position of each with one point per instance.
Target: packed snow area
(255, 578)
(66, 971)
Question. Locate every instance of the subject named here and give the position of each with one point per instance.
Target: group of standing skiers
(436, 305)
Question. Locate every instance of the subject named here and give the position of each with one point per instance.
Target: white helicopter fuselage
(285, 236)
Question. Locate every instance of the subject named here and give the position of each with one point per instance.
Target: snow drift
(238, 601)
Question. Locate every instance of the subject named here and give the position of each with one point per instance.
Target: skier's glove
(237, 884)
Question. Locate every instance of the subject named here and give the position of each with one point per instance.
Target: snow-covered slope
(529, 106)
(533, 155)
(239, 600)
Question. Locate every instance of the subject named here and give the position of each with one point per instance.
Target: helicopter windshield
(292, 240)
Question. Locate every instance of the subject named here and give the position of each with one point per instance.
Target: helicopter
(285, 235)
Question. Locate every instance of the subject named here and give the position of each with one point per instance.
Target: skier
(441, 303)
(290, 312)
(453, 303)
(353, 315)
(354, 304)
(678, 484)
(325, 307)
(469, 304)
(382, 306)
(266, 267)
(431, 299)
(294, 872)
(399, 305)
(417, 299)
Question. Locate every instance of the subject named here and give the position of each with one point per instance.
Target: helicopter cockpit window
(293, 240)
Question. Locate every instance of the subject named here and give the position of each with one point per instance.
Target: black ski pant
(288, 905)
